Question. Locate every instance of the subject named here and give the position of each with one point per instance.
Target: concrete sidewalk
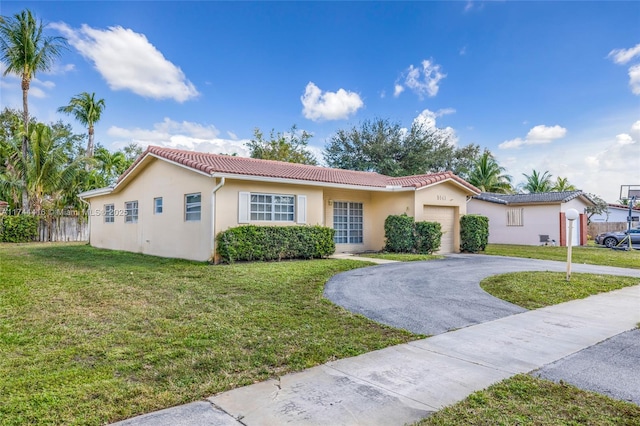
(405, 383)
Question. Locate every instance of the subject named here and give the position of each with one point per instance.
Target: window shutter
(244, 201)
(302, 209)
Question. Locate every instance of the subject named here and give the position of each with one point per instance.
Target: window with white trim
(131, 212)
(348, 222)
(109, 213)
(157, 205)
(272, 207)
(515, 217)
(192, 207)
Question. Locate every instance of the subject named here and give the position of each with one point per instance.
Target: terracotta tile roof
(226, 164)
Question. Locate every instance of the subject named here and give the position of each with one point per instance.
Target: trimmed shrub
(18, 229)
(399, 232)
(474, 233)
(406, 236)
(266, 243)
(428, 237)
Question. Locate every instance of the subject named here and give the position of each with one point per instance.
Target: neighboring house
(532, 219)
(616, 213)
(3, 206)
(172, 203)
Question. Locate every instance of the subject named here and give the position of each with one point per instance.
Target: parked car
(611, 239)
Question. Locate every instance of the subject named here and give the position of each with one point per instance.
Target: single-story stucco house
(173, 202)
(532, 219)
(616, 213)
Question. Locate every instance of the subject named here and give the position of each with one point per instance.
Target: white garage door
(446, 216)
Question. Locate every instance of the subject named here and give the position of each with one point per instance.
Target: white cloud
(428, 118)
(318, 105)
(128, 61)
(545, 134)
(60, 69)
(424, 80)
(597, 165)
(540, 134)
(181, 135)
(623, 56)
(232, 135)
(634, 79)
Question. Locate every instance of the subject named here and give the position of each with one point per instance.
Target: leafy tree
(87, 111)
(537, 182)
(25, 50)
(290, 147)
(110, 165)
(488, 176)
(131, 152)
(385, 147)
(600, 207)
(562, 184)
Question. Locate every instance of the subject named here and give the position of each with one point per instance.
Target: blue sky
(544, 85)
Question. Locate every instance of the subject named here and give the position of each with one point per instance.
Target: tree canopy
(537, 182)
(488, 176)
(87, 110)
(25, 51)
(290, 146)
(386, 147)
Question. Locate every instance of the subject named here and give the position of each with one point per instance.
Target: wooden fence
(595, 228)
(63, 228)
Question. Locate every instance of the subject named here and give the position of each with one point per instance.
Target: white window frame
(109, 213)
(515, 217)
(195, 214)
(158, 209)
(270, 208)
(353, 230)
(131, 211)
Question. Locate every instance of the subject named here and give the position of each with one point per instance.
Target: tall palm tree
(562, 184)
(87, 110)
(537, 182)
(488, 176)
(25, 50)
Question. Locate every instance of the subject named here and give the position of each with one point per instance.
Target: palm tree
(488, 176)
(537, 182)
(49, 172)
(87, 111)
(562, 184)
(25, 50)
(110, 165)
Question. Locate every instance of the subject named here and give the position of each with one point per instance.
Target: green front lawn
(91, 336)
(533, 290)
(525, 400)
(590, 254)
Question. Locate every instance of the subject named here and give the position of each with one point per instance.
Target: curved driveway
(436, 296)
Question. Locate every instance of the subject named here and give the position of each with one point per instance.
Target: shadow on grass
(90, 257)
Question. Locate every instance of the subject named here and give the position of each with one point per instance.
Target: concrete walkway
(405, 383)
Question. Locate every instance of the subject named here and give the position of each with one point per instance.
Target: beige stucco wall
(166, 234)
(226, 204)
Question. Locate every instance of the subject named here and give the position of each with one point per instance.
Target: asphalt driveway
(436, 296)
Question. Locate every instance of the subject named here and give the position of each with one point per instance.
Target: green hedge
(266, 243)
(399, 232)
(474, 233)
(18, 229)
(406, 236)
(428, 237)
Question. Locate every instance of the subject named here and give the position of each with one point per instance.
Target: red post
(563, 230)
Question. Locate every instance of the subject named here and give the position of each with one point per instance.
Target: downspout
(88, 217)
(213, 218)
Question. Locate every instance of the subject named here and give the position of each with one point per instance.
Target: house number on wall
(441, 197)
